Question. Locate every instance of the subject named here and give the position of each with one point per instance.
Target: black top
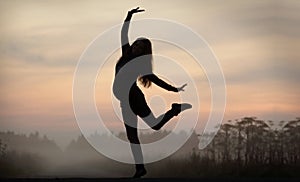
(125, 80)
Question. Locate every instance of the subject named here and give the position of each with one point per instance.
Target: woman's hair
(146, 50)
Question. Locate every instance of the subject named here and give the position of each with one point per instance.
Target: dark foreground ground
(145, 179)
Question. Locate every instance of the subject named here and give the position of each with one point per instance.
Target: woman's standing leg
(130, 121)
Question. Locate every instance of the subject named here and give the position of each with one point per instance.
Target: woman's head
(140, 47)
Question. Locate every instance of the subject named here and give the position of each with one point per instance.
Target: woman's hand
(181, 88)
(136, 10)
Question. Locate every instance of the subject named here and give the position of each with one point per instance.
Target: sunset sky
(257, 43)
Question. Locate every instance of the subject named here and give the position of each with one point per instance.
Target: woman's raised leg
(159, 122)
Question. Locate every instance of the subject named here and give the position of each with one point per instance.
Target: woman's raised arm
(125, 27)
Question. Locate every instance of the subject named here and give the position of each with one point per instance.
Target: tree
(2, 148)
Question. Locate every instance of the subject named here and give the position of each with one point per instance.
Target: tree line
(249, 141)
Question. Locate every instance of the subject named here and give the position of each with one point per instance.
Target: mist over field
(247, 147)
(34, 155)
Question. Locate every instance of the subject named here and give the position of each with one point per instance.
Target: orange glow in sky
(41, 41)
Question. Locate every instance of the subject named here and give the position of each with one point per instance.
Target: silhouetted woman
(136, 64)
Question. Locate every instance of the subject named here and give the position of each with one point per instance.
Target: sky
(257, 44)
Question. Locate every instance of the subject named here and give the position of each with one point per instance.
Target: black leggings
(130, 122)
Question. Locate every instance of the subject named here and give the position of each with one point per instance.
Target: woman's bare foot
(177, 108)
(139, 173)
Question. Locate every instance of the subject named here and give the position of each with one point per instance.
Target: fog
(34, 155)
(246, 147)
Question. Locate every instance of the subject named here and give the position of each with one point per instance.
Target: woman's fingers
(136, 10)
(182, 87)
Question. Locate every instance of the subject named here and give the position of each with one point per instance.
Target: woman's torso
(127, 71)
